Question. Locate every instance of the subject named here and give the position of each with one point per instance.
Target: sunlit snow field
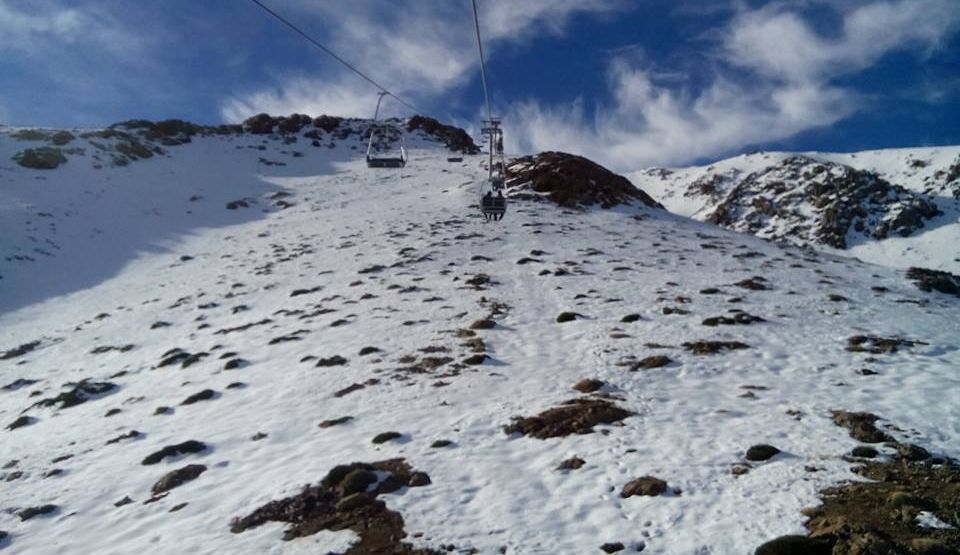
(118, 241)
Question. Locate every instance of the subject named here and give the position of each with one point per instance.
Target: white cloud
(774, 79)
(75, 64)
(303, 95)
(417, 49)
(651, 124)
(778, 43)
(41, 26)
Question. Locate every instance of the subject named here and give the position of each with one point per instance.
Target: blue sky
(630, 83)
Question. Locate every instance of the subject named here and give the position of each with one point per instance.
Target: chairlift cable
(483, 70)
(333, 55)
(493, 208)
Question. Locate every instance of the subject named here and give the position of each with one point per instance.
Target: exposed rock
(573, 463)
(739, 318)
(795, 545)
(335, 360)
(349, 389)
(21, 421)
(235, 363)
(456, 139)
(260, 124)
(327, 123)
(878, 515)
(132, 434)
(475, 360)
(761, 452)
(178, 477)
(571, 181)
(646, 485)
(651, 362)
(934, 280)
(335, 422)
(30, 135)
(386, 436)
(30, 512)
(776, 203)
(712, 347)
(756, 283)
(912, 452)
(612, 547)
(204, 395)
(878, 345)
(355, 482)
(293, 123)
(337, 504)
(187, 447)
(577, 416)
(483, 324)
(41, 158)
(419, 479)
(79, 393)
(18, 383)
(568, 317)
(861, 426)
(19, 351)
(588, 385)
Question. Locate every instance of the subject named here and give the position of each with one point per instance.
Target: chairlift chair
(495, 204)
(492, 204)
(380, 152)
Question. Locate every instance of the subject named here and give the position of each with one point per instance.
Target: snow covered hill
(189, 340)
(898, 208)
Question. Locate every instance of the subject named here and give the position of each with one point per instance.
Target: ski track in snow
(692, 422)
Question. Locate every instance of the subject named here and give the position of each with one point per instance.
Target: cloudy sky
(630, 83)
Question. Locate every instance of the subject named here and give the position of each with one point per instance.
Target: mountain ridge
(897, 207)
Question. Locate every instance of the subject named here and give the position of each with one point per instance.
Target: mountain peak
(572, 181)
(894, 207)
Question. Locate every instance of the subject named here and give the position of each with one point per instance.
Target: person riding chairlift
(500, 205)
(487, 205)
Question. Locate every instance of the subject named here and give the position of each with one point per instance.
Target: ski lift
(493, 204)
(381, 152)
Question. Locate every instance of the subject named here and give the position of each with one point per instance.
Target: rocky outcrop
(456, 139)
(935, 280)
(571, 181)
(139, 139)
(822, 202)
(42, 158)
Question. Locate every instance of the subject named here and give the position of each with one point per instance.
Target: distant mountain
(894, 207)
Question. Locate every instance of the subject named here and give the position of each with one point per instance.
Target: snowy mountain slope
(893, 207)
(399, 261)
(104, 208)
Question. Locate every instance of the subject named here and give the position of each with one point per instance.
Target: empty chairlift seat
(382, 150)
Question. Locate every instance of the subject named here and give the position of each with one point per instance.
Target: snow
(926, 519)
(120, 235)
